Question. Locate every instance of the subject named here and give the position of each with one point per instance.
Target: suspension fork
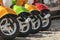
(24, 16)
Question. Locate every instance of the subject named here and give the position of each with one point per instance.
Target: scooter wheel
(9, 28)
(46, 22)
(36, 25)
(25, 28)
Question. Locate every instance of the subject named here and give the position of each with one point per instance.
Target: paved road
(52, 34)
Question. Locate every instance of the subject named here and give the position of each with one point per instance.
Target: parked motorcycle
(23, 20)
(9, 28)
(36, 20)
(45, 15)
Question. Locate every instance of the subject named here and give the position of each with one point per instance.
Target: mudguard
(41, 6)
(19, 9)
(30, 7)
(4, 11)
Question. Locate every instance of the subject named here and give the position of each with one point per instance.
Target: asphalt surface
(53, 33)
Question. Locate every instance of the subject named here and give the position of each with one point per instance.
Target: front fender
(30, 7)
(19, 9)
(4, 11)
(41, 6)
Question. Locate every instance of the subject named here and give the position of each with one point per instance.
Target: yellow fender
(4, 11)
(30, 7)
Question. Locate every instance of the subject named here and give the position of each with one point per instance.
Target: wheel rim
(7, 28)
(45, 22)
(24, 27)
(35, 23)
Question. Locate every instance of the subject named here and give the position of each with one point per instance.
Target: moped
(23, 18)
(36, 20)
(25, 25)
(9, 28)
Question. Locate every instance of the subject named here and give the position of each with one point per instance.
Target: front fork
(45, 15)
(25, 17)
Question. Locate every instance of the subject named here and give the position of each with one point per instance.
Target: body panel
(5, 11)
(41, 6)
(19, 9)
(30, 7)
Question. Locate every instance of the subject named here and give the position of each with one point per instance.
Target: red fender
(41, 6)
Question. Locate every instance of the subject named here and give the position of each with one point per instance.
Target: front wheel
(46, 24)
(25, 28)
(8, 28)
(36, 24)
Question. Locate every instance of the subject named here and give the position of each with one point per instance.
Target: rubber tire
(47, 27)
(11, 37)
(26, 33)
(35, 12)
(25, 15)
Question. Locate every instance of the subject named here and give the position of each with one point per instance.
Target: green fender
(19, 9)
